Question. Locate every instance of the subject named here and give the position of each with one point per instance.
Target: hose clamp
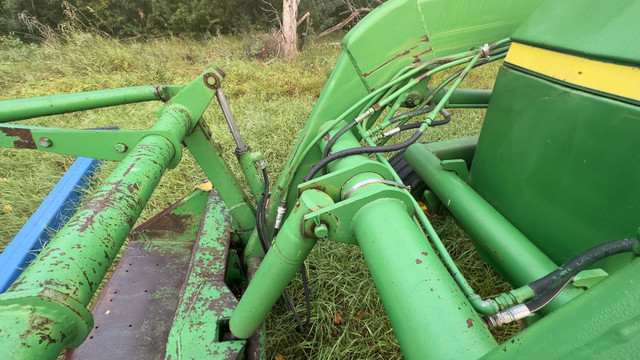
(485, 50)
(373, 181)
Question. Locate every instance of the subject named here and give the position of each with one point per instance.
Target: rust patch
(162, 222)
(158, 92)
(469, 323)
(424, 253)
(418, 261)
(423, 53)
(386, 63)
(25, 140)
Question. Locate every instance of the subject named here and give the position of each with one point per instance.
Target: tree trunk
(289, 32)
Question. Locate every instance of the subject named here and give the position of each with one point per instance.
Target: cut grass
(271, 104)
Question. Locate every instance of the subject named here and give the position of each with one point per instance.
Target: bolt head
(321, 231)
(121, 148)
(45, 142)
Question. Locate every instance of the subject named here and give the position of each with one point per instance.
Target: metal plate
(134, 313)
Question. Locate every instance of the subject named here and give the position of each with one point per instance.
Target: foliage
(326, 13)
(132, 18)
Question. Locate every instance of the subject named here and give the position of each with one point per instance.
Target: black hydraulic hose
(548, 287)
(581, 262)
(446, 120)
(407, 115)
(544, 298)
(360, 150)
(260, 213)
(307, 297)
(335, 138)
(410, 114)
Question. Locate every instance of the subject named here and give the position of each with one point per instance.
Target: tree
(289, 27)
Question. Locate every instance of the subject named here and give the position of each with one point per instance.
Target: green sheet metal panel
(605, 30)
(401, 32)
(384, 42)
(561, 164)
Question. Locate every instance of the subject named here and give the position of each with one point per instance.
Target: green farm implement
(549, 193)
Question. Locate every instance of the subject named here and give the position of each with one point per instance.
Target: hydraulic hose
(581, 262)
(361, 150)
(549, 286)
(335, 138)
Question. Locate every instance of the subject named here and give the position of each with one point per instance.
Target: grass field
(271, 103)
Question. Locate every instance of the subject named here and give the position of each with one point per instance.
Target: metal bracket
(339, 216)
(333, 182)
(98, 144)
(458, 166)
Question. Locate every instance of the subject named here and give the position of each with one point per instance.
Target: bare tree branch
(354, 13)
(303, 18)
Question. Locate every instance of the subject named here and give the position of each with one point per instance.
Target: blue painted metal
(52, 214)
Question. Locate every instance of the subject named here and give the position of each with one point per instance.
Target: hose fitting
(281, 210)
(512, 314)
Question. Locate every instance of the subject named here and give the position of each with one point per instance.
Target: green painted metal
(421, 26)
(98, 144)
(82, 252)
(248, 162)
(465, 98)
(503, 245)
(281, 262)
(533, 197)
(408, 253)
(208, 154)
(21, 109)
(52, 301)
(206, 300)
(423, 301)
(592, 29)
(179, 222)
(545, 163)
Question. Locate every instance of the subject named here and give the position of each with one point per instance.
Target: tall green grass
(271, 103)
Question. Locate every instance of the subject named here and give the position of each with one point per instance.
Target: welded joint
(181, 114)
(53, 305)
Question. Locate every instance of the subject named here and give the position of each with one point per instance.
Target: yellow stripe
(597, 75)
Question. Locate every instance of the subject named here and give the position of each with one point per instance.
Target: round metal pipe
(522, 262)
(416, 289)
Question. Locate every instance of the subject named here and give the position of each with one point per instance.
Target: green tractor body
(549, 193)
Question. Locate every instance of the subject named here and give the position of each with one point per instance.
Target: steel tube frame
(280, 264)
(73, 265)
(44, 311)
(393, 246)
(417, 291)
(521, 262)
(21, 109)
